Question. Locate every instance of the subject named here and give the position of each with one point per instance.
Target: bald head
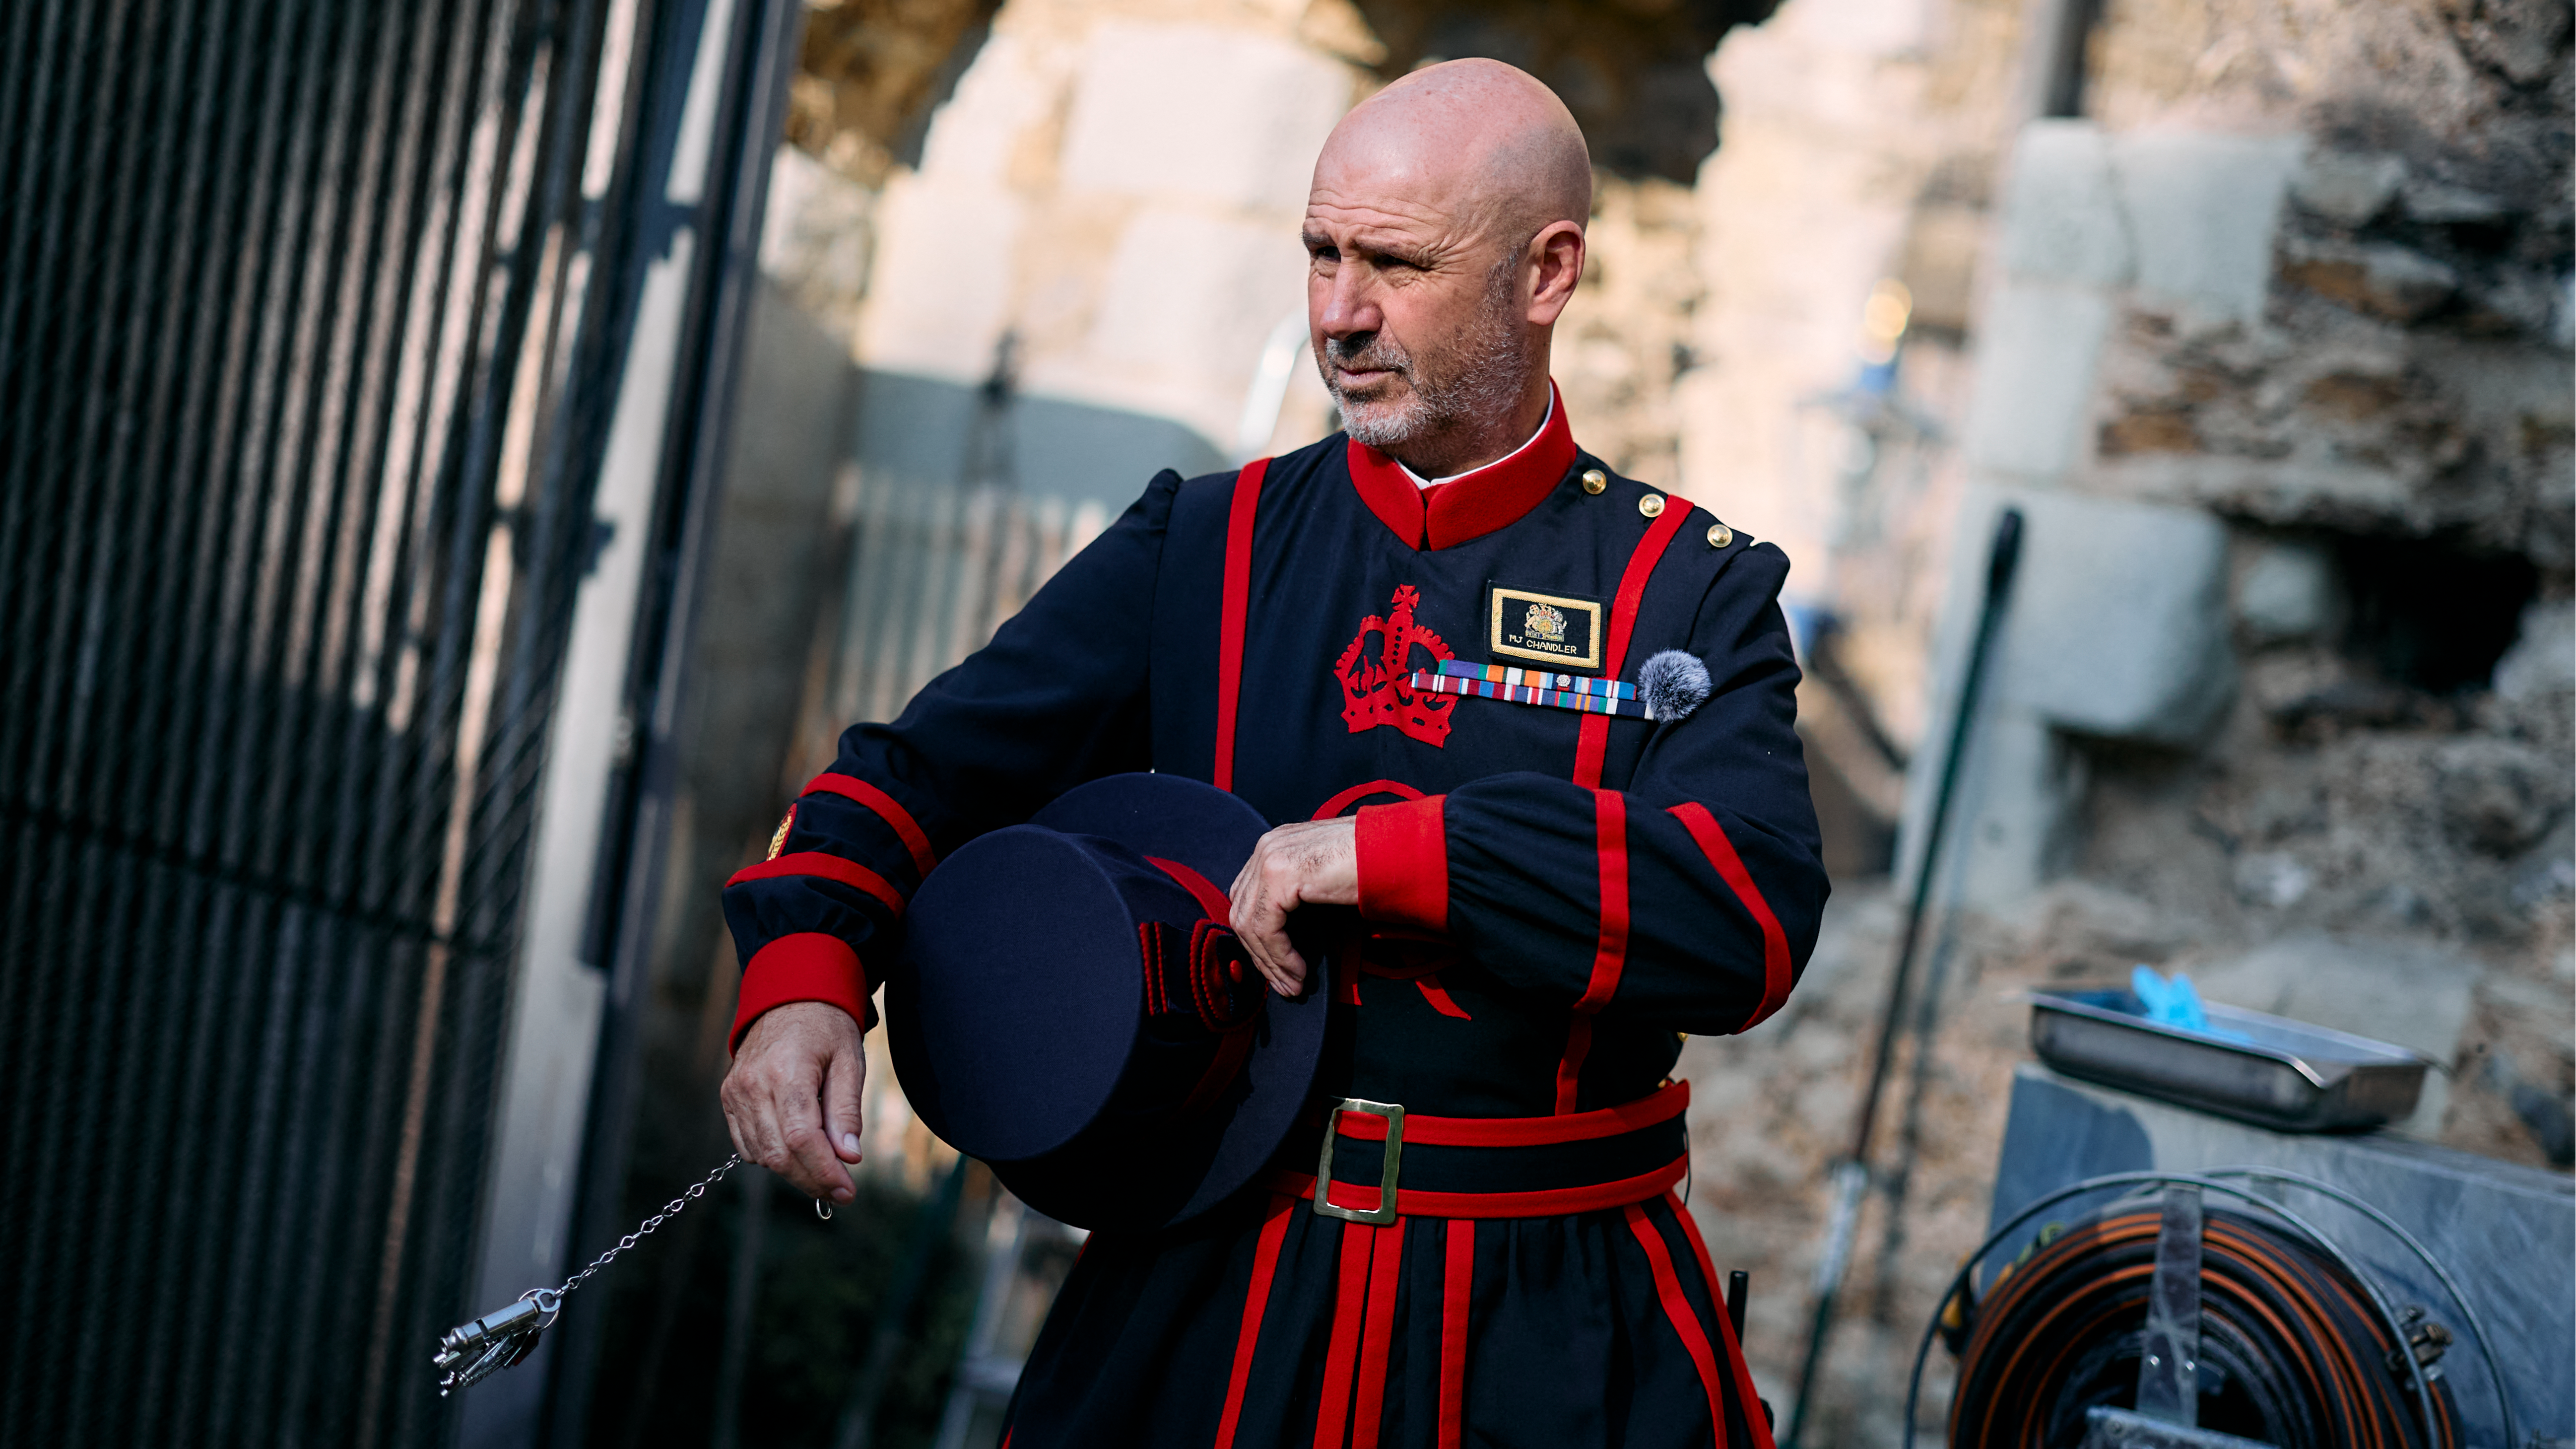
(1445, 229)
(1477, 139)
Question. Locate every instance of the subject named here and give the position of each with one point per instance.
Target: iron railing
(310, 320)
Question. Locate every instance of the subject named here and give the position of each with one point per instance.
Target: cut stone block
(1187, 110)
(2201, 211)
(2543, 660)
(2347, 187)
(2036, 356)
(2062, 220)
(943, 269)
(2119, 619)
(2286, 593)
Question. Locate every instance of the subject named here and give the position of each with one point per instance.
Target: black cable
(2292, 1353)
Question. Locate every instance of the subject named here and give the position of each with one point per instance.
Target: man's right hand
(792, 1098)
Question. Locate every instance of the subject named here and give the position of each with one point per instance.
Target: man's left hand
(1311, 863)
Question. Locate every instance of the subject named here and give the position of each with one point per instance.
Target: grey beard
(1480, 379)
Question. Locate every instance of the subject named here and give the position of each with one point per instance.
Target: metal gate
(311, 316)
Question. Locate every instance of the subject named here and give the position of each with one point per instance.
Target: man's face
(1416, 316)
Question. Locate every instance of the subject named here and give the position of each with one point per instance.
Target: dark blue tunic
(1552, 897)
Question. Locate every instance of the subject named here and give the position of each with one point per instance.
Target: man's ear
(1556, 255)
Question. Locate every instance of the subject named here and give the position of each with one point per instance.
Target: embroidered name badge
(1563, 630)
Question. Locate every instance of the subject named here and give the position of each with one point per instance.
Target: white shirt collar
(1421, 482)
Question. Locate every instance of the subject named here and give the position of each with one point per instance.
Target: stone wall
(2270, 344)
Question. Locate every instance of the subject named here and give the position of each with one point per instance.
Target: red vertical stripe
(1744, 1390)
(1342, 1352)
(1386, 1276)
(1610, 952)
(1453, 1331)
(1265, 1268)
(1569, 1068)
(1668, 1287)
(1720, 851)
(1592, 738)
(1237, 603)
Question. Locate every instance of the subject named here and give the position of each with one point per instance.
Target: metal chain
(547, 1300)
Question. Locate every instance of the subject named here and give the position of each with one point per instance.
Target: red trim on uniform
(1381, 484)
(1403, 855)
(1237, 602)
(1439, 997)
(1542, 1203)
(1610, 954)
(816, 864)
(807, 966)
(1668, 1287)
(1343, 801)
(1703, 828)
(1610, 951)
(1744, 1391)
(1210, 899)
(1454, 1292)
(1256, 1300)
(1473, 504)
(1569, 1067)
(1342, 1351)
(852, 788)
(1592, 738)
(1386, 1276)
(1661, 1105)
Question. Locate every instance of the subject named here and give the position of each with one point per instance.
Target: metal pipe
(1852, 1176)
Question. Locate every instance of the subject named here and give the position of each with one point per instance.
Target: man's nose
(1349, 303)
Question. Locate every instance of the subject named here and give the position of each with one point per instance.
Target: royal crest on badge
(1559, 629)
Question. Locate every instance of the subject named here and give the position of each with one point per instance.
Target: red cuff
(1404, 865)
(808, 966)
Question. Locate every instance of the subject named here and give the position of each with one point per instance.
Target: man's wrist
(806, 966)
(1403, 856)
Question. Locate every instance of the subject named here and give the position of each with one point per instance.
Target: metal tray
(2285, 1075)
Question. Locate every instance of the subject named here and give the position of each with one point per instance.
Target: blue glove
(2169, 1003)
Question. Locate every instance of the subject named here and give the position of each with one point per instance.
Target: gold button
(1719, 535)
(1594, 480)
(1652, 505)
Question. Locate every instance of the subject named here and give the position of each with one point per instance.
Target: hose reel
(2166, 1321)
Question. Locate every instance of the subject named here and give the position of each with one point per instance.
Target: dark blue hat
(1072, 1008)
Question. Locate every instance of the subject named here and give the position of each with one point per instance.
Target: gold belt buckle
(1384, 1212)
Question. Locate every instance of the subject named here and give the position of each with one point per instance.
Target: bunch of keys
(495, 1341)
(504, 1338)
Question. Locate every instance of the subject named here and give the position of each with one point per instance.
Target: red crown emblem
(1376, 688)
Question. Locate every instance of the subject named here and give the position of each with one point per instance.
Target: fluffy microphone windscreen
(1673, 684)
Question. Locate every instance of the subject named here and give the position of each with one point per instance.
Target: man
(1545, 896)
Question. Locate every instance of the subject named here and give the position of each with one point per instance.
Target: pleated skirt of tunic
(1271, 1327)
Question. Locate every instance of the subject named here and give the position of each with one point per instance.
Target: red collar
(1472, 504)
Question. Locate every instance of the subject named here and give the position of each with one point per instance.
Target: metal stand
(2169, 1373)
(2168, 1415)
